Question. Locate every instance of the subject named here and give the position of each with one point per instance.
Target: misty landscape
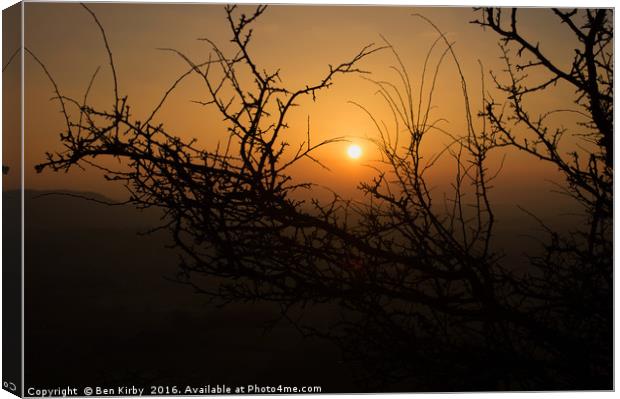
(105, 313)
(107, 309)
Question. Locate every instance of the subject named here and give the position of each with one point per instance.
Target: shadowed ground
(99, 311)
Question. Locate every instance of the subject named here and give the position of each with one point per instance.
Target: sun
(354, 151)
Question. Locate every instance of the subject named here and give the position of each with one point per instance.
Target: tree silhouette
(573, 283)
(424, 298)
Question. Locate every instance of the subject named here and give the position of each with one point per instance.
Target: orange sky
(301, 41)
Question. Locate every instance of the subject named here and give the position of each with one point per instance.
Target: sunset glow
(354, 151)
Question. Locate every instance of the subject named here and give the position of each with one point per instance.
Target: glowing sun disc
(354, 151)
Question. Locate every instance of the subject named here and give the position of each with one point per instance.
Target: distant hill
(79, 210)
(99, 298)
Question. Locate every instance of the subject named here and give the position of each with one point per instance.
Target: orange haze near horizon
(301, 41)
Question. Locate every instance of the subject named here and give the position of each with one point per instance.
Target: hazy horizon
(299, 40)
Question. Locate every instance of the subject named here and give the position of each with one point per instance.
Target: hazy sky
(299, 40)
